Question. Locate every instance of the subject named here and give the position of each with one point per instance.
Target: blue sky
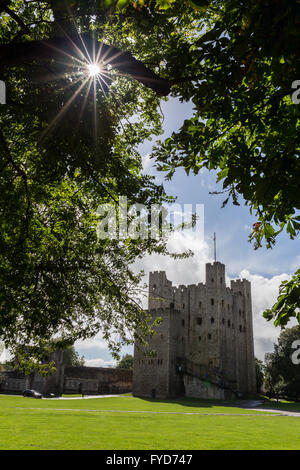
(232, 224)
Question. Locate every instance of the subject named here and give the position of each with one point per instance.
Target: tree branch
(12, 14)
(54, 48)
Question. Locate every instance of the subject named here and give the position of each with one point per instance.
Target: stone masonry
(204, 344)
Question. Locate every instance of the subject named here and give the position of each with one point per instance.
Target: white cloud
(184, 271)
(95, 343)
(148, 164)
(100, 362)
(3, 356)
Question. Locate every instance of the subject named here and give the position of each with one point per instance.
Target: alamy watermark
(296, 94)
(2, 92)
(154, 222)
(296, 354)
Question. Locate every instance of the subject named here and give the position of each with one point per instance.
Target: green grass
(68, 424)
(125, 403)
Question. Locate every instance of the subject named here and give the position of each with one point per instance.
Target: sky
(264, 268)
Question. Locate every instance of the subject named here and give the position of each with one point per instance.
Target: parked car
(32, 394)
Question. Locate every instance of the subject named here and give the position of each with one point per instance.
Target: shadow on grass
(189, 402)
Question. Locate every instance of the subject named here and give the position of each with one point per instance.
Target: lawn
(103, 424)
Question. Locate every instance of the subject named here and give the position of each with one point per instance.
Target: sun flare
(94, 69)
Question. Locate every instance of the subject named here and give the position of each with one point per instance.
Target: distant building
(204, 344)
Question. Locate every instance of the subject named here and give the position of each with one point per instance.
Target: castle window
(223, 321)
(228, 306)
(199, 338)
(228, 323)
(183, 305)
(222, 303)
(200, 304)
(209, 336)
(240, 327)
(171, 305)
(199, 321)
(240, 313)
(212, 301)
(154, 286)
(162, 336)
(182, 322)
(212, 279)
(212, 320)
(221, 280)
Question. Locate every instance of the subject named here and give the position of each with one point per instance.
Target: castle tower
(204, 343)
(156, 376)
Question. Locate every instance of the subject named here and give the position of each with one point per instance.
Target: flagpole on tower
(215, 247)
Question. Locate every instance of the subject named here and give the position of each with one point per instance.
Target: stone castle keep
(204, 343)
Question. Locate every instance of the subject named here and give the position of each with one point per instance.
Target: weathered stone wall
(152, 374)
(97, 380)
(13, 382)
(196, 388)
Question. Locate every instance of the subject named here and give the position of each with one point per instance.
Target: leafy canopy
(126, 362)
(68, 144)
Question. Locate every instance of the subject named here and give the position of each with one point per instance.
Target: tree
(68, 144)
(259, 369)
(281, 372)
(126, 362)
(241, 73)
(288, 302)
(72, 357)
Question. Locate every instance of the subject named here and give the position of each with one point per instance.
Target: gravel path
(256, 405)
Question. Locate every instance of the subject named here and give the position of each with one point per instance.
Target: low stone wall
(87, 380)
(13, 382)
(97, 380)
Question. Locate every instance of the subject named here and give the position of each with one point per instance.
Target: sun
(94, 69)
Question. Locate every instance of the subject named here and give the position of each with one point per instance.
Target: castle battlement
(240, 281)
